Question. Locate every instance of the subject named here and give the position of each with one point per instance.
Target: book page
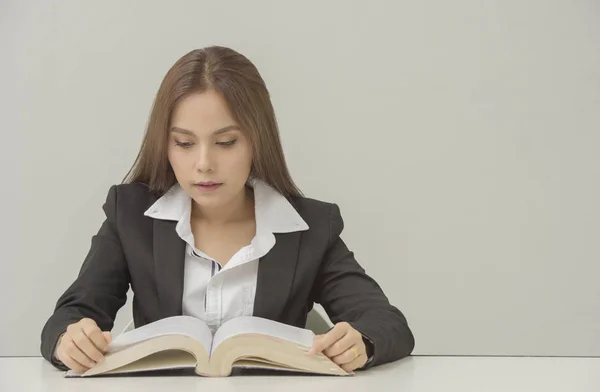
(177, 325)
(163, 360)
(257, 325)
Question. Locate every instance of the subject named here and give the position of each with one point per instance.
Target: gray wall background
(460, 140)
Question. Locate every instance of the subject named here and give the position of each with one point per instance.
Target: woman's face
(206, 145)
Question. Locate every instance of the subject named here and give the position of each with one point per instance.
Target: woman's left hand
(344, 345)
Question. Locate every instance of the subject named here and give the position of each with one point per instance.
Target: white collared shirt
(215, 293)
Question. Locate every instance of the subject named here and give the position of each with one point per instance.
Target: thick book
(182, 342)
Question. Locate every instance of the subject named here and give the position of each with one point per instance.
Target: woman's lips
(208, 186)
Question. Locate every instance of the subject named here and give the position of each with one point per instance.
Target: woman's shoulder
(317, 212)
(309, 205)
(130, 198)
(135, 190)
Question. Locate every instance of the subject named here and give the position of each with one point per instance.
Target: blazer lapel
(169, 261)
(275, 276)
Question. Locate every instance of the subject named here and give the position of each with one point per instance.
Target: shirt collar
(273, 212)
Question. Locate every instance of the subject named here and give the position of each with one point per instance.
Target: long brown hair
(235, 77)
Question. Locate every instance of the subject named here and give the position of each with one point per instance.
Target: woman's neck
(238, 210)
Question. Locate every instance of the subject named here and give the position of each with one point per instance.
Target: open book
(187, 342)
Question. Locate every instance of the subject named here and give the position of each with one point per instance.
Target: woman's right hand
(83, 345)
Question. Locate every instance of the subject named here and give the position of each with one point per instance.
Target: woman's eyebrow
(217, 132)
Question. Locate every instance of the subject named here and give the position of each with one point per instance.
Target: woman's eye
(227, 144)
(183, 144)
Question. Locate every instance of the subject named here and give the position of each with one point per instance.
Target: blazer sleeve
(348, 294)
(100, 289)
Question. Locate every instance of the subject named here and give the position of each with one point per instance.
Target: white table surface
(413, 374)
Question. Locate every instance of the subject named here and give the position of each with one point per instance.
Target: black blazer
(302, 268)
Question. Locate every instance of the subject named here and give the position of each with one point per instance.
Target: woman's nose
(204, 161)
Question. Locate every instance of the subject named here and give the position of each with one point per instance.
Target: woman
(209, 223)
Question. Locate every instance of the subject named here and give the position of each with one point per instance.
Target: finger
(73, 364)
(71, 350)
(324, 341)
(348, 355)
(85, 344)
(355, 364)
(66, 359)
(94, 333)
(340, 346)
(108, 336)
(96, 337)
